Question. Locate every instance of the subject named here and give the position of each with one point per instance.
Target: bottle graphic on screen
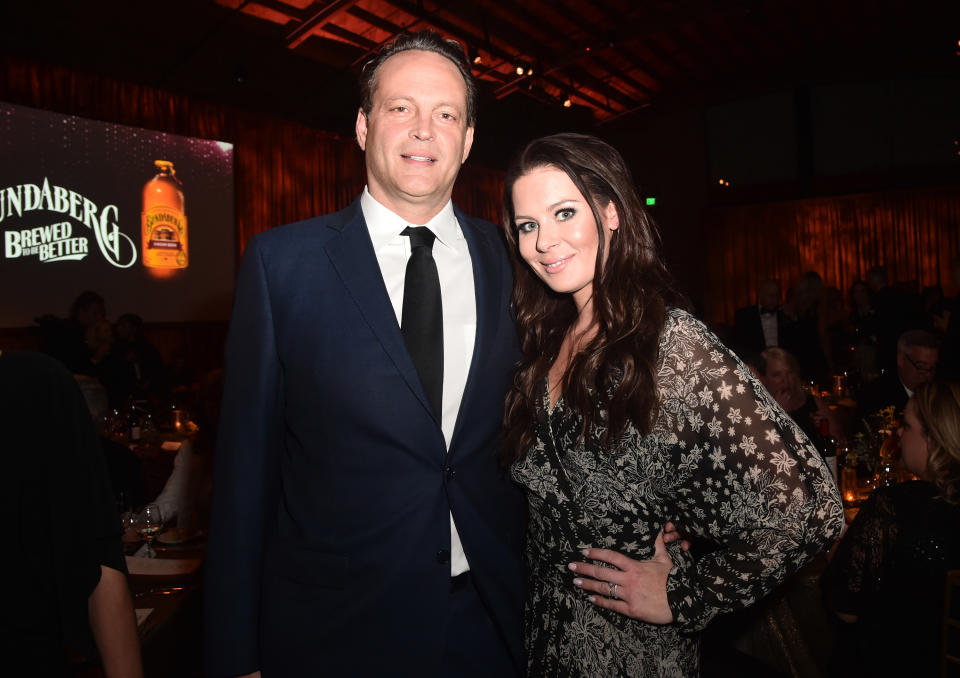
(163, 221)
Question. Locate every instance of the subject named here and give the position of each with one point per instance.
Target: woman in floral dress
(627, 412)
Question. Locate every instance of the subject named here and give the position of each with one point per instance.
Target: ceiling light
(519, 70)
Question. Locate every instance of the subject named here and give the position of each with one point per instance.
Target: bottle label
(164, 238)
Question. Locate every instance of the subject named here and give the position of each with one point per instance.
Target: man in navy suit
(361, 526)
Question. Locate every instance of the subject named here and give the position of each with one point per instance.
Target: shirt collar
(385, 225)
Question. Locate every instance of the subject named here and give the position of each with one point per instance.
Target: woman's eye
(564, 214)
(526, 226)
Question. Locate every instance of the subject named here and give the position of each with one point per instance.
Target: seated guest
(800, 329)
(897, 312)
(66, 339)
(887, 577)
(863, 320)
(757, 326)
(175, 499)
(835, 331)
(123, 466)
(917, 354)
(63, 563)
(144, 358)
(934, 304)
(781, 376)
(863, 316)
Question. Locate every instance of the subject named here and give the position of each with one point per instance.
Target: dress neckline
(547, 405)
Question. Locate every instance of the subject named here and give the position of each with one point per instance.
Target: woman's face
(913, 442)
(557, 233)
(780, 379)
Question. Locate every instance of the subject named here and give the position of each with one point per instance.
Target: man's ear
(467, 144)
(361, 129)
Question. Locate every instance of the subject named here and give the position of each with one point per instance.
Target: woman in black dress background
(887, 576)
(627, 412)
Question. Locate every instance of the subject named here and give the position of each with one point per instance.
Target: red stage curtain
(915, 233)
(284, 171)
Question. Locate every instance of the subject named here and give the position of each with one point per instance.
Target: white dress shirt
(768, 322)
(455, 269)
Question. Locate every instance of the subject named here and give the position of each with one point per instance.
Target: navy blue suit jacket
(333, 483)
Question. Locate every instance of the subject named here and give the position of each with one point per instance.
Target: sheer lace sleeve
(746, 477)
(855, 573)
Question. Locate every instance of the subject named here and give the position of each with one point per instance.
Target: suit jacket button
(443, 556)
(450, 472)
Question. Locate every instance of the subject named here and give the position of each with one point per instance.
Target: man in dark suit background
(361, 524)
(918, 352)
(758, 326)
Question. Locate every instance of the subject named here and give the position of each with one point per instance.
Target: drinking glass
(148, 525)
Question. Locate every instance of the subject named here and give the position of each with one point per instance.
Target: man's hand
(672, 534)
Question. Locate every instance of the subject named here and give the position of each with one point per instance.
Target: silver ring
(613, 589)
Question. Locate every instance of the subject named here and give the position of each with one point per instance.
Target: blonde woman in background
(887, 577)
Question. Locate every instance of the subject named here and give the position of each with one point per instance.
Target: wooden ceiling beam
(415, 9)
(302, 32)
(451, 29)
(295, 14)
(377, 21)
(582, 75)
(573, 91)
(355, 38)
(661, 53)
(623, 76)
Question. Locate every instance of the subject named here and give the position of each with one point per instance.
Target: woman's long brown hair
(615, 372)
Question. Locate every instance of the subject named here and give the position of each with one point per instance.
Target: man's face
(769, 295)
(416, 135)
(916, 365)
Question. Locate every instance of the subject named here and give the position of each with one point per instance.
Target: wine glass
(148, 525)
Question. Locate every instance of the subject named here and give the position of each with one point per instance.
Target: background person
(887, 576)
(918, 353)
(63, 561)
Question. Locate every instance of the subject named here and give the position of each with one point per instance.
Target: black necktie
(422, 318)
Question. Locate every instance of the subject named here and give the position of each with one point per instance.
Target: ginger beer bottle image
(163, 222)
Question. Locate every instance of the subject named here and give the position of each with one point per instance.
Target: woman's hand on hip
(634, 588)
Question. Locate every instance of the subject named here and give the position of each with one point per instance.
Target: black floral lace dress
(723, 461)
(889, 571)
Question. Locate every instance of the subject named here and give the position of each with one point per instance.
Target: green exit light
(651, 202)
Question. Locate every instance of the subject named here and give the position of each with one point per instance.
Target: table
(171, 636)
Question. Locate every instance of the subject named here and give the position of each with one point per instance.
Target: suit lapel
(355, 261)
(486, 274)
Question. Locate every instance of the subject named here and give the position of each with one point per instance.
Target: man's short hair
(426, 41)
(922, 338)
